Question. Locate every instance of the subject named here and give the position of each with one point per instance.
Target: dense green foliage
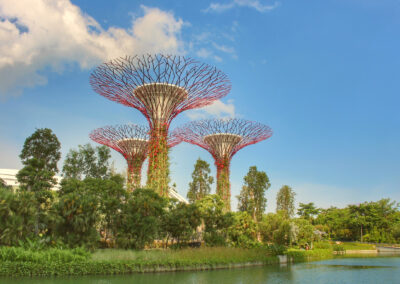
(140, 218)
(180, 221)
(17, 262)
(17, 216)
(307, 210)
(201, 182)
(215, 221)
(368, 221)
(87, 161)
(285, 200)
(243, 231)
(44, 146)
(39, 155)
(252, 196)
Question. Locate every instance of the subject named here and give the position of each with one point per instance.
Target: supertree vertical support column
(160, 87)
(132, 141)
(223, 138)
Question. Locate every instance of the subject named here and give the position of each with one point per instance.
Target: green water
(340, 270)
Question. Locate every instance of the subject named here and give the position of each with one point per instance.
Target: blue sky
(323, 74)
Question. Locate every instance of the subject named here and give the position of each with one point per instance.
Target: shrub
(322, 245)
(275, 249)
(338, 248)
(17, 216)
(243, 231)
(78, 215)
(139, 221)
(18, 254)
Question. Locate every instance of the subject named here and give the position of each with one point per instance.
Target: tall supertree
(132, 142)
(223, 138)
(160, 87)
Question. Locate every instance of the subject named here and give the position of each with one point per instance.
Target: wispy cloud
(43, 35)
(218, 109)
(213, 45)
(254, 4)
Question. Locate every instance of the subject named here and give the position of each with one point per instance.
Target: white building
(9, 177)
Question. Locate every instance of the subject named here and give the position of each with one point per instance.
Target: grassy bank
(18, 262)
(358, 246)
(298, 255)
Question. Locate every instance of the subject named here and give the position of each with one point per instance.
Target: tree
(181, 220)
(40, 155)
(252, 197)
(276, 228)
(201, 183)
(285, 200)
(358, 217)
(215, 221)
(243, 231)
(108, 195)
(42, 145)
(307, 210)
(87, 161)
(17, 216)
(140, 218)
(35, 177)
(78, 212)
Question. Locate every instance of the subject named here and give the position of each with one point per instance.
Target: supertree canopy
(132, 141)
(223, 138)
(160, 87)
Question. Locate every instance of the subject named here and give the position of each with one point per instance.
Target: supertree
(223, 138)
(132, 141)
(160, 87)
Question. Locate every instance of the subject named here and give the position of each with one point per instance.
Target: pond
(338, 270)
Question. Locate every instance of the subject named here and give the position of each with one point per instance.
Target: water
(339, 270)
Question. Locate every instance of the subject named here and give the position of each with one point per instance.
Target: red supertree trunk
(158, 170)
(134, 172)
(223, 183)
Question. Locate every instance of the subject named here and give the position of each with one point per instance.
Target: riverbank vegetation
(49, 262)
(93, 220)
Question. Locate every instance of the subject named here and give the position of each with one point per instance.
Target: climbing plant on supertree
(222, 138)
(160, 87)
(132, 141)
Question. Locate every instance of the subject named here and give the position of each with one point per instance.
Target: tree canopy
(307, 210)
(285, 200)
(42, 145)
(201, 182)
(87, 161)
(252, 196)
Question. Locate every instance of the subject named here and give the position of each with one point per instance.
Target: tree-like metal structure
(132, 142)
(223, 138)
(160, 87)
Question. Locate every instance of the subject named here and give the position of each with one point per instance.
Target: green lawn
(358, 246)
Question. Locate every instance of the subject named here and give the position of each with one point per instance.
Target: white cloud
(218, 109)
(255, 4)
(37, 35)
(203, 53)
(225, 49)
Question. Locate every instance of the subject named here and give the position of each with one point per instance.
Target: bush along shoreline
(17, 262)
(20, 262)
